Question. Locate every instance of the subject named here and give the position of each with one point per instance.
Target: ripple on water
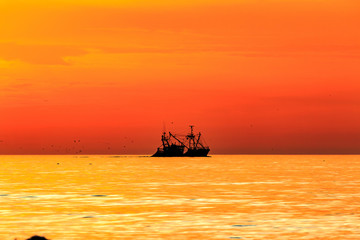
(239, 225)
(30, 197)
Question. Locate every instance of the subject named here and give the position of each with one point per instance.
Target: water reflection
(225, 197)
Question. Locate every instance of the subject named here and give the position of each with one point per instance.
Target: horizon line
(148, 155)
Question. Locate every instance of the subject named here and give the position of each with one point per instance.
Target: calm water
(221, 197)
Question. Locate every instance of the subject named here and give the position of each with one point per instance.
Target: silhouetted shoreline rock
(36, 237)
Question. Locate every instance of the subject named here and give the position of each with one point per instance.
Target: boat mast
(165, 140)
(191, 138)
(198, 140)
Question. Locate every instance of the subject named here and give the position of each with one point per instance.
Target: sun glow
(266, 75)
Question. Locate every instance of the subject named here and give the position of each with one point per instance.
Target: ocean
(219, 197)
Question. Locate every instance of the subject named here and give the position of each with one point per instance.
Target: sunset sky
(270, 76)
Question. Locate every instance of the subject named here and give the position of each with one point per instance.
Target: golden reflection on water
(221, 197)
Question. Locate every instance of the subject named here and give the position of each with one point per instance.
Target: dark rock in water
(36, 237)
(238, 225)
(30, 197)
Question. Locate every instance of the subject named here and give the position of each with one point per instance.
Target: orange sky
(272, 76)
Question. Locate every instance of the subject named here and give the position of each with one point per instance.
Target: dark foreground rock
(36, 237)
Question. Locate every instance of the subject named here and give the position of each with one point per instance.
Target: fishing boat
(176, 145)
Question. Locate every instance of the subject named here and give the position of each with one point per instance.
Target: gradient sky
(270, 76)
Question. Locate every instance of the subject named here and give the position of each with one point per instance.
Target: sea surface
(219, 197)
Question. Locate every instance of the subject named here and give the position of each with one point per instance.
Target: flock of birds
(78, 148)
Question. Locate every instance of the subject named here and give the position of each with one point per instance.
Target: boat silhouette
(175, 145)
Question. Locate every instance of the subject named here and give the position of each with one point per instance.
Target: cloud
(39, 54)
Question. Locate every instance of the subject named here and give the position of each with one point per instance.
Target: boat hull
(172, 151)
(190, 153)
(202, 152)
